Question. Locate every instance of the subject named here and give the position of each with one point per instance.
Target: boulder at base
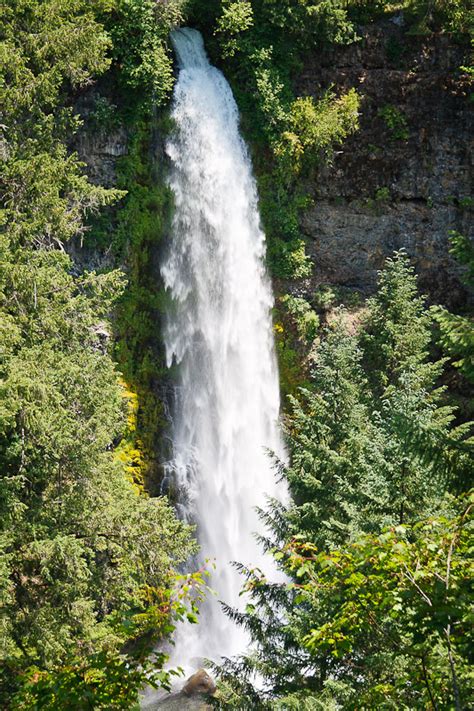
(199, 683)
(192, 696)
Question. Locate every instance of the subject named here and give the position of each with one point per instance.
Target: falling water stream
(219, 331)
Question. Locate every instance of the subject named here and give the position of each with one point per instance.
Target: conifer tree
(373, 457)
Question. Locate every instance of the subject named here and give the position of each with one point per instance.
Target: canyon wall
(404, 179)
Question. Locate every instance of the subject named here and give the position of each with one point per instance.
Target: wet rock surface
(193, 696)
(199, 683)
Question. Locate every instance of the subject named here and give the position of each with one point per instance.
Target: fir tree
(373, 454)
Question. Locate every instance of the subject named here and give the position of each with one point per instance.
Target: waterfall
(219, 331)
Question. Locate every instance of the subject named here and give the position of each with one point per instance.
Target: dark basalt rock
(385, 192)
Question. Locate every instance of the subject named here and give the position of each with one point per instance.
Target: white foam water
(219, 331)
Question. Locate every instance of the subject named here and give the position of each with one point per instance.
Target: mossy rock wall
(129, 154)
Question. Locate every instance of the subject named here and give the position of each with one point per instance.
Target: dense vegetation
(88, 561)
(376, 541)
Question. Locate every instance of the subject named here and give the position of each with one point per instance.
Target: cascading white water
(219, 331)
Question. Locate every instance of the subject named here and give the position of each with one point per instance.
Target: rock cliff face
(99, 148)
(404, 180)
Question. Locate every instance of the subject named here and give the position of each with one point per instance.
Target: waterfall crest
(219, 331)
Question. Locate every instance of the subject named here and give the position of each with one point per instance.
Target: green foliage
(47, 48)
(290, 361)
(382, 194)
(110, 678)
(289, 260)
(79, 544)
(456, 339)
(104, 115)
(47, 43)
(315, 128)
(236, 18)
(396, 329)
(87, 561)
(378, 203)
(395, 50)
(305, 319)
(453, 16)
(301, 129)
(364, 12)
(376, 613)
(138, 229)
(307, 22)
(271, 94)
(463, 250)
(139, 31)
(395, 121)
(325, 297)
(301, 136)
(421, 16)
(457, 331)
(405, 591)
(296, 327)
